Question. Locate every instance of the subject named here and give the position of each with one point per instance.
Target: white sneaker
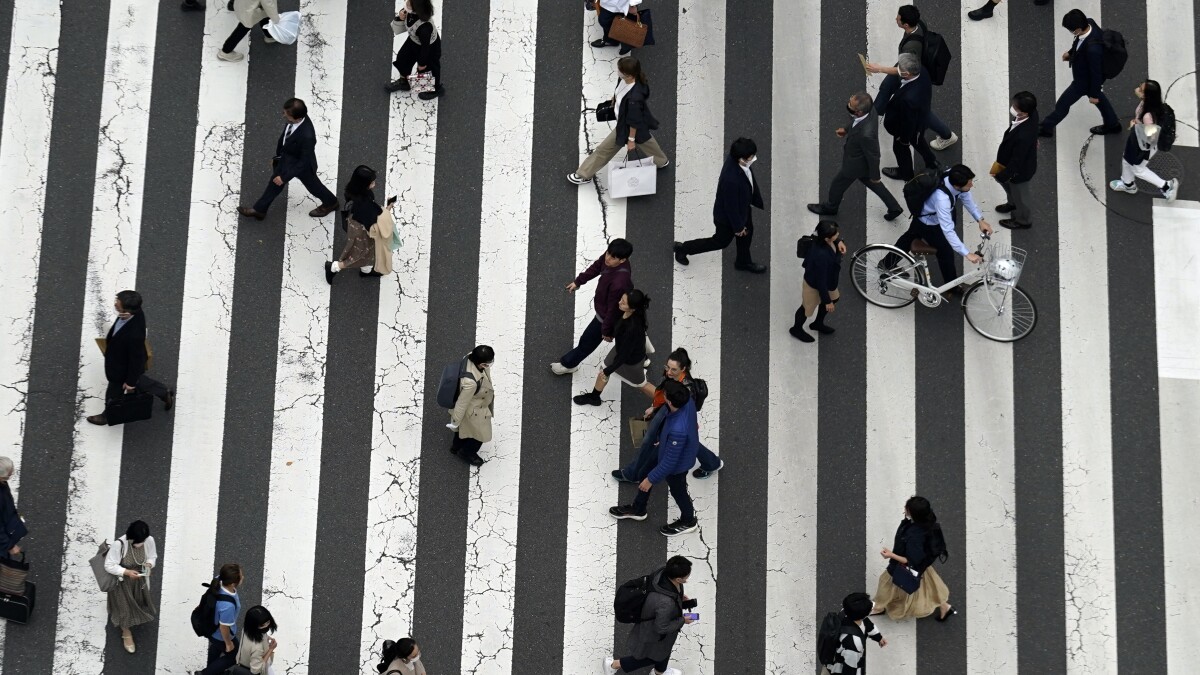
(232, 57)
(1172, 190)
(269, 40)
(606, 667)
(943, 143)
(577, 179)
(559, 369)
(1119, 185)
(672, 671)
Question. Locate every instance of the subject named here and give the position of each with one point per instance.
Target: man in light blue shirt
(935, 223)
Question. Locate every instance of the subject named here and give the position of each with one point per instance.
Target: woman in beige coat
(250, 13)
(368, 228)
(471, 416)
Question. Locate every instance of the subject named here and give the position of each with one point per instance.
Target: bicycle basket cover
(1004, 270)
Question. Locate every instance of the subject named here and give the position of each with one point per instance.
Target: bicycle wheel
(1001, 313)
(875, 265)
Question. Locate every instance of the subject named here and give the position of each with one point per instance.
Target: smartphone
(391, 200)
(694, 617)
(143, 571)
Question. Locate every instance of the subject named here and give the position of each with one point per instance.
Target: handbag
(606, 112)
(637, 430)
(12, 575)
(905, 578)
(628, 31)
(104, 580)
(102, 343)
(804, 245)
(632, 178)
(133, 407)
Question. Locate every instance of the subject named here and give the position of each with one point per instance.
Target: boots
(982, 13)
(797, 330)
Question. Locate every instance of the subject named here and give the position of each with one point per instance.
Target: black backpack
(447, 391)
(699, 392)
(829, 636)
(1166, 134)
(921, 187)
(631, 596)
(204, 616)
(1115, 55)
(935, 54)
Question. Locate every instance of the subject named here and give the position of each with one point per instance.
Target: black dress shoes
(982, 13)
(1005, 208)
(192, 6)
(1011, 224)
(893, 172)
(251, 213)
(169, 401)
(1105, 129)
(822, 210)
(680, 256)
(753, 267)
(329, 273)
(99, 420)
(893, 214)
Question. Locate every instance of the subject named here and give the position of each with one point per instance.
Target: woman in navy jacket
(819, 291)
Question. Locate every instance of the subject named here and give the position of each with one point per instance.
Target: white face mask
(750, 161)
(1013, 111)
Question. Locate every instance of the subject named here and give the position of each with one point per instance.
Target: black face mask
(852, 111)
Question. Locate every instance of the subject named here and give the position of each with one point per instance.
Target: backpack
(829, 636)
(935, 54)
(1166, 135)
(920, 188)
(699, 392)
(631, 596)
(448, 389)
(204, 616)
(1115, 56)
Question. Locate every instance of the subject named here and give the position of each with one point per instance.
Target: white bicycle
(995, 306)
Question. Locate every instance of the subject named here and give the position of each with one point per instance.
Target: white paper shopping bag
(632, 178)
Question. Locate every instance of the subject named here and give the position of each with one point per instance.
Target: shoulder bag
(104, 580)
(628, 31)
(12, 575)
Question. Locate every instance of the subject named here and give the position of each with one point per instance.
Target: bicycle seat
(921, 247)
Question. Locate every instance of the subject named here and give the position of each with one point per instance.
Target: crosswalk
(307, 446)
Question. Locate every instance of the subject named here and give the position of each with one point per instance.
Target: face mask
(1013, 112)
(852, 111)
(750, 161)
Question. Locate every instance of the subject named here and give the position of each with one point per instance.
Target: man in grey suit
(860, 160)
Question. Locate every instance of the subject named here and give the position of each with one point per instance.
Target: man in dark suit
(1017, 161)
(907, 115)
(125, 356)
(737, 191)
(860, 160)
(1086, 57)
(295, 157)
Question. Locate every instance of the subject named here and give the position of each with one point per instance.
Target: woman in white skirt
(131, 558)
(627, 359)
(919, 542)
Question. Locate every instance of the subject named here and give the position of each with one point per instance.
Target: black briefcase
(16, 607)
(133, 407)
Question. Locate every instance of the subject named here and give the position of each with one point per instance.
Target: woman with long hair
(1141, 147)
(627, 358)
(256, 651)
(634, 124)
(130, 559)
(422, 47)
(369, 228)
(919, 542)
(401, 658)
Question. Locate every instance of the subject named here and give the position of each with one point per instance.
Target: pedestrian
(1016, 161)
(608, 11)
(193, 6)
(369, 230)
(12, 525)
(125, 356)
(819, 289)
(627, 358)
(131, 558)
(907, 117)
(935, 224)
(256, 652)
(679, 445)
(985, 12)
(860, 160)
(651, 640)
(1086, 59)
(250, 13)
(908, 18)
(223, 643)
(471, 417)
(737, 191)
(402, 657)
(918, 543)
(615, 280)
(677, 369)
(1140, 147)
(295, 157)
(422, 47)
(851, 656)
(634, 124)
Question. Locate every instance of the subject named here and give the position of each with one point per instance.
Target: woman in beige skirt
(369, 230)
(130, 559)
(918, 544)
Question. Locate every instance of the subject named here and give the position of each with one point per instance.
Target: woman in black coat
(12, 527)
(819, 291)
(634, 124)
(919, 542)
(627, 359)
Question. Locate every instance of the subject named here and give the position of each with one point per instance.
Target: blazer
(473, 411)
(635, 113)
(735, 196)
(1088, 67)
(12, 528)
(125, 356)
(908, 109)
(662, 619)
(822, 267)
(1018, 151)
(860, 151)
(299, 155)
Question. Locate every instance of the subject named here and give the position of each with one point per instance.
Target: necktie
(286, 133)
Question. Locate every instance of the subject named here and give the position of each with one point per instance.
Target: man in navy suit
(295, 157)
(907, 117)
(1086, 57)
(737, 191)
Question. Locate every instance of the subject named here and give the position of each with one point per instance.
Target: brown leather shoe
(324, 210)
(99, 420)
(251, 213)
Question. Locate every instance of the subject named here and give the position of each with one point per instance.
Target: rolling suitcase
(16, 607)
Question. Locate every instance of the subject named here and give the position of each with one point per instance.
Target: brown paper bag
(637, 430)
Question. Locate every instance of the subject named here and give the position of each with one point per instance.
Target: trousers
(677, 483)
(647, 455)
(467, 448)
(219, 660)
(1018, 196)
(933, 235)
(630, 664)
(409, 52)
(309, 180)
(607, 149)
(239, 32)
(842, 182)
(904, 157)
(588, 341)
(890, 85)
(1131, 172)
(721, 238)
(1075, 91)
(145, 383)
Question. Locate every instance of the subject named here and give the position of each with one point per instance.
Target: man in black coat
(1017, 161)
(125, 356)
(907, 115)
(860, 160)
(737, 191)
(295, 157)
(1086, 57)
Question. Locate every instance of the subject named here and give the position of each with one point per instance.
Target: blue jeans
(588, 342)
(1075, 91)
(891, 84)
(220, 660)
(678, 486)
(647, 455)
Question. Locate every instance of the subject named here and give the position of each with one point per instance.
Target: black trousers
(1070, 96)
(219, 660)
(409, 52)
(721, 239)
(842, 182)
(467, 448)
(933, 235)
(311, 183)
(904, 158)
(145, 383)
(606, 20)
(239, 32)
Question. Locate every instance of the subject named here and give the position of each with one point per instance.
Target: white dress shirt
(749, 176)
(619, 6)
(943, 214)
(112, 562)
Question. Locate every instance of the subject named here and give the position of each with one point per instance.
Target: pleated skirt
(901, 605)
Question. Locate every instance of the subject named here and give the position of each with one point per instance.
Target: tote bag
(104, 580)
(12, 575)
(632, 178)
